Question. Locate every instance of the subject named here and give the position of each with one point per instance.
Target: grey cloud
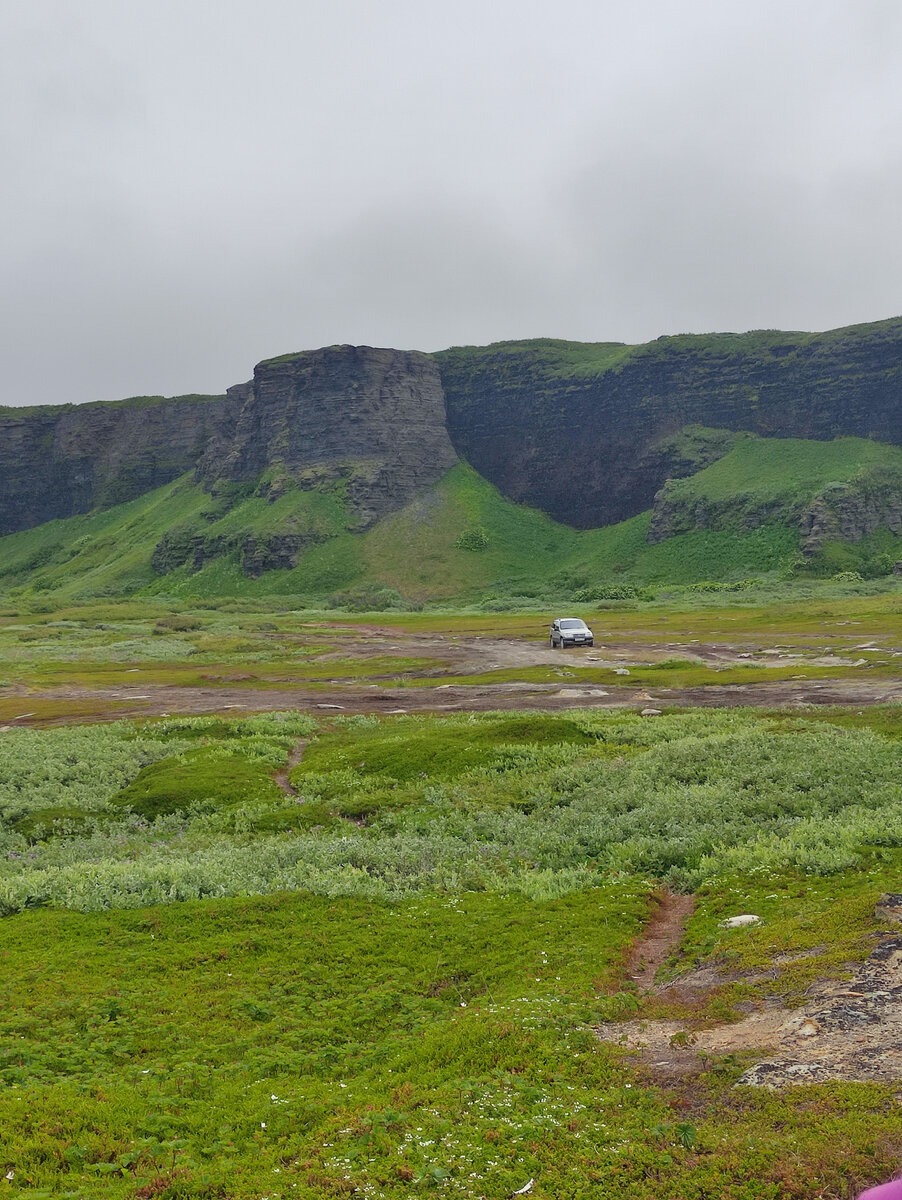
(192, 185)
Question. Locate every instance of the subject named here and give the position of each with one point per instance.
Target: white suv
(570, 631)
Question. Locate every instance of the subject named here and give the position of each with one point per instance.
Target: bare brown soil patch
(71, 704)
(461, 656)
(661, 937)
(848, 1030)
(282, 777)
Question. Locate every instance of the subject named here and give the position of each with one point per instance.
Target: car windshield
(573, 624)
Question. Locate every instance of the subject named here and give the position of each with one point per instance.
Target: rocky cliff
(372, 419)
(55, 462)
(583, 432)
(588, 433)
(851, 511)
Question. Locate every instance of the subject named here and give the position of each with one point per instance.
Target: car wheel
(553, 646)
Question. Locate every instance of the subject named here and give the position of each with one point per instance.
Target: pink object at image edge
(885, 1191)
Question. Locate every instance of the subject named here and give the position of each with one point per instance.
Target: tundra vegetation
(313, 954)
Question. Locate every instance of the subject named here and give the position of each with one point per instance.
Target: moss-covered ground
(381, 979)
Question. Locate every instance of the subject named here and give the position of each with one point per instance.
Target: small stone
(889, 907)
(741, 921)
(650, 712)
(621, 671)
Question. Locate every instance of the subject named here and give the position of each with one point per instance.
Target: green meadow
(377, 971)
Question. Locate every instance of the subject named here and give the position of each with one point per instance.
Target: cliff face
(373, 418)
(587, 433)
(584, 443)
(55, 462)
(850, 511)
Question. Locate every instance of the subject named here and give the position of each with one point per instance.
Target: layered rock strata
(56, 462)
(371, 419)
(580, 443)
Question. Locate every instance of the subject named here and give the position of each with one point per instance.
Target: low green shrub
(369, 598)
(476, 539)
(738, 585)
(527, 803)
(612, 591)
(178, 623)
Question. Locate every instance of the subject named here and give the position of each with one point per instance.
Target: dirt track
(458, 656)
(848, 1029)
(128, 702)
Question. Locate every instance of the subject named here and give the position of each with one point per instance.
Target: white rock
(621, 671)
(650, 712)
(740, 921)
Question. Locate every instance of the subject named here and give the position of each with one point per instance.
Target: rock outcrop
(56, 462)
(372, 419)
(550, 430)
(850, 511)
(672, 514)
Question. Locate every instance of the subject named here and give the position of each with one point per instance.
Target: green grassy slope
(459, 540)
(765, 470)
(414, 550)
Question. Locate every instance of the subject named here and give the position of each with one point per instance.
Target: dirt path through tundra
(847, 1029)
(282, 777)
(661, 936)
(63, 705)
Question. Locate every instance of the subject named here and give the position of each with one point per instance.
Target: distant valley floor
(384, 669)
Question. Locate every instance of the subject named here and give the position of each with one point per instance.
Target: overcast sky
(189, 186)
